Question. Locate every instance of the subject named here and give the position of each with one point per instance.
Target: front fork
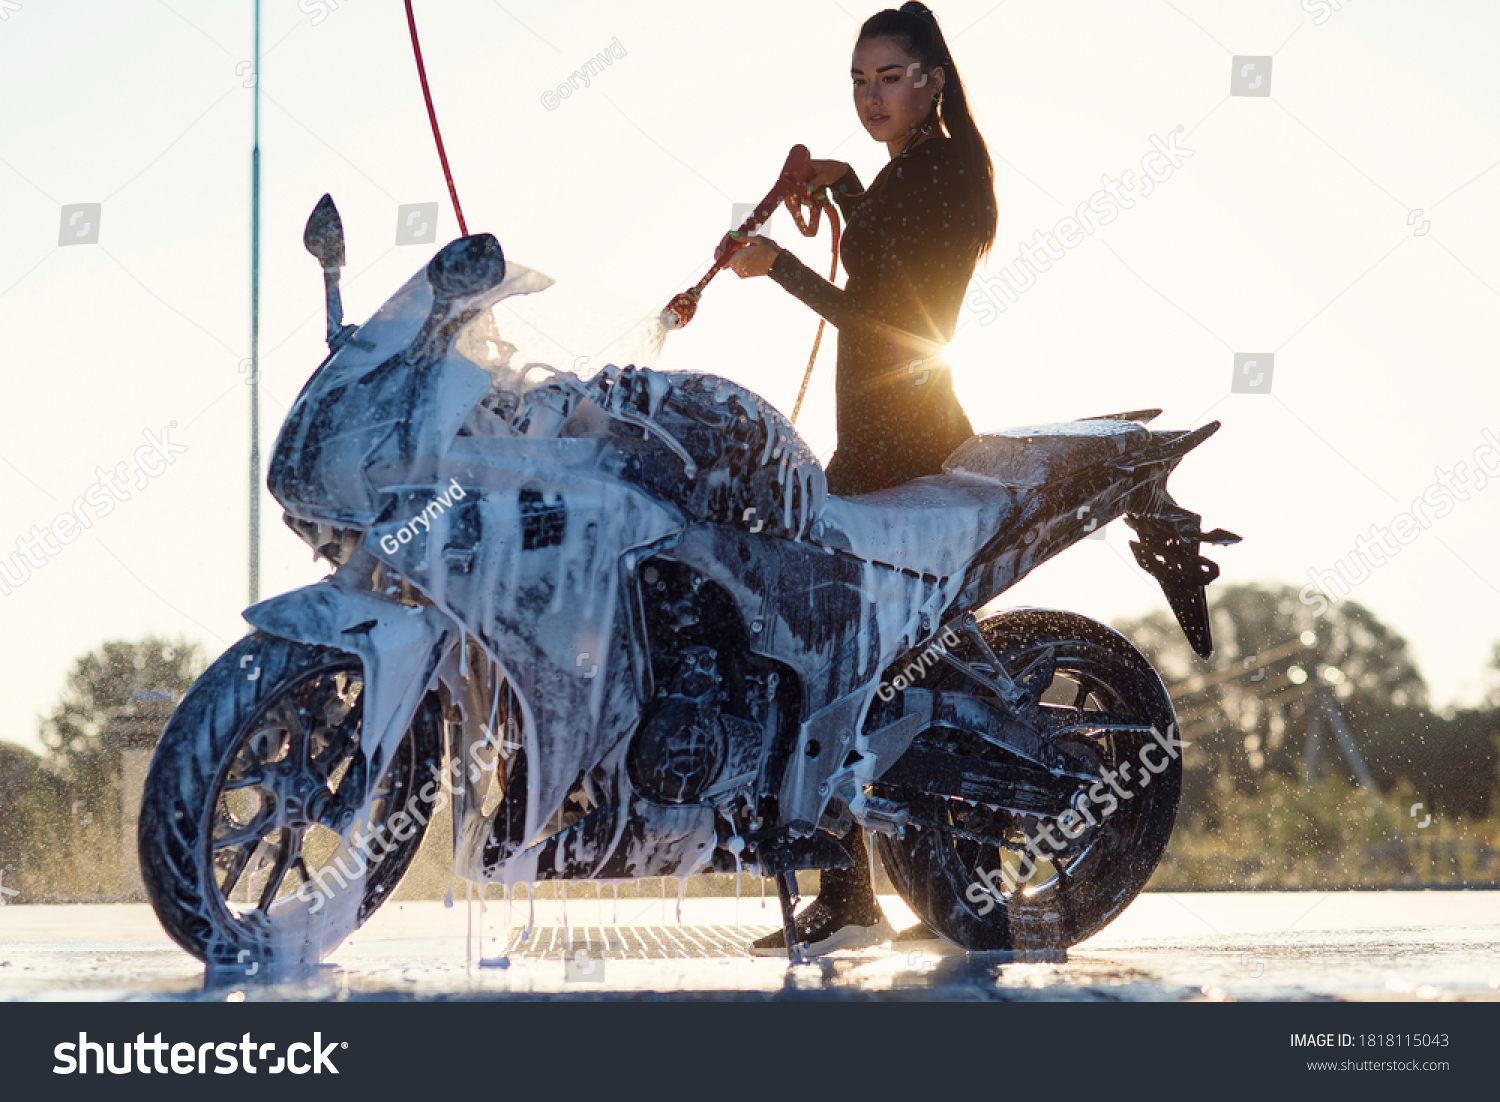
(399, 646)
(482, 737)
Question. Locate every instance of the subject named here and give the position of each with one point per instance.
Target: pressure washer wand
(794, 177)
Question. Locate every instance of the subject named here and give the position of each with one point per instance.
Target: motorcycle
(622, 627)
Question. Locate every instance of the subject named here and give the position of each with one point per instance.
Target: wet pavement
(1416, 946)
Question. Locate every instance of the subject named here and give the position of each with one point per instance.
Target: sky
(1337, 223)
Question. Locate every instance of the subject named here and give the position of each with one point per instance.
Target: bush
(1330, 834)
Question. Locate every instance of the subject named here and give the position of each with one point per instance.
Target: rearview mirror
(324, 236)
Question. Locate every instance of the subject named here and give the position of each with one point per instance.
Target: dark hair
(916, 28)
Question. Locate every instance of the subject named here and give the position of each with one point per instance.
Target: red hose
(684, 305)
(819, 204)
(792, 190)
(411, 22)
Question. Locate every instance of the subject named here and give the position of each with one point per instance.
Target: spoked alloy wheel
(257, 841)
(1097, 698)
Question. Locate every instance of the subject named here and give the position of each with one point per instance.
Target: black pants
(851, 891)
(891, 443)
(863, 468)
(886, 439)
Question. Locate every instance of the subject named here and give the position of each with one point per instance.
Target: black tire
(265, 748)
(1077, 892)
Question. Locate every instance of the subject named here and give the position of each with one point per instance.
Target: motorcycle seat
(937, 524)
(933, 525)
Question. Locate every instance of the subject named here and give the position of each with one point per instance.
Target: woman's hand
(826, 172)
(756, 258)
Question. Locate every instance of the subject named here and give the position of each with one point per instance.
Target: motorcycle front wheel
(257, 842)
(1030, 893)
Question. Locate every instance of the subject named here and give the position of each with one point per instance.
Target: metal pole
(255, 329)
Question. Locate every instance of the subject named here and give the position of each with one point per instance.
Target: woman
(913, 239)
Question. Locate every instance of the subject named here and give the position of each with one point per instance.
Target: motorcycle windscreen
(379, 412)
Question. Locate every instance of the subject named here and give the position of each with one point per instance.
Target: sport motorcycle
(620, 626)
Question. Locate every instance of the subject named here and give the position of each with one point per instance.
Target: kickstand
(786, 892)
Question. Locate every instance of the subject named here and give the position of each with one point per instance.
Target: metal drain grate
(635, 942)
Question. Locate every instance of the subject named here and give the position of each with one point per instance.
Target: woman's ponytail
(917, 29)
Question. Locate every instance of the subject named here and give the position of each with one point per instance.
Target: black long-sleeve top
(910, 249)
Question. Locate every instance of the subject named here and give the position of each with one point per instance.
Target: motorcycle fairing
(527, 560)
(385, 407)
(400, 647)
(1078, 475)
(833, 619)
(836, 621)
(624, 837)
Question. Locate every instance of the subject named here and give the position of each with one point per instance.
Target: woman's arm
(842, 183)
(928, 234)
(833, 303)
(829, 301)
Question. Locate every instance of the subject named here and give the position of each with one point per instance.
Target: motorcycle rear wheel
(247, 829)
(1069, 893)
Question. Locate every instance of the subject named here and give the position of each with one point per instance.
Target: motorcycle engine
(704, 735)
(679, 750)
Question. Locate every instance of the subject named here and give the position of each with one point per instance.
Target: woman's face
(892, 91)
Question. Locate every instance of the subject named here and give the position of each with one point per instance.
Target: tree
(1252, 710)
(31, 799)
(1450, 761)
(1248, 707)
(101, 682)
(1492, 692)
